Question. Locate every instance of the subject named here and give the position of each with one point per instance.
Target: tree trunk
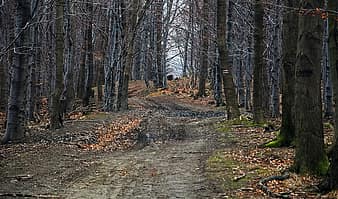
(89, 55)
(111, 55)
(228, 84)
(16, 105)
(69, 64)
(57, 112)
(258, 110)
(31, 73)
(290, 32)
(2, 86)
(327, 83)
(129, 52)
(248, 74)
(203, 75)
(276, 66)
(333, 49)
(159, 47)
(310, 156)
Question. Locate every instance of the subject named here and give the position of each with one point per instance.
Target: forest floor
(167, 145)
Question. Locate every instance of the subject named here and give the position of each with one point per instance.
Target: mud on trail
(174, 140)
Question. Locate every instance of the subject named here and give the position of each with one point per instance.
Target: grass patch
(226, 126)
(231, 175)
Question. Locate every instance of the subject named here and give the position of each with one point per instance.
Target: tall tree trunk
(2, 86)
(129, 52)
(159, 47)
(203, 75)
(89, 55)
(333, 49)
(327, 83)
(258, 110)
(109, 67)
(290, 32)
(186, 46)
(57, 112)
(228, 84)
(276, 66)
(31, 73)
(69, 65)
(166, 30)
(82, 71)
(16, 105)
(248, 74)
(310, 156)
(136, 72)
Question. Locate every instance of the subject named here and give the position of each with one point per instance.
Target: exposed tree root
(262, 185)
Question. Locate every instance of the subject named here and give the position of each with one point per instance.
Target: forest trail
(174, 142)
(167, 145)
(174, 169)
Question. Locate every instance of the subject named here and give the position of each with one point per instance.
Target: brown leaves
(75, 115)
(256, 163)
(2, 119)
(117, 135)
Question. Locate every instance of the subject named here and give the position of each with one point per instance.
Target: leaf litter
(254, 163)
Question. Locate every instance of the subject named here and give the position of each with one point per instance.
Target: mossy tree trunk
(310, 156)
(228, 84)
(290, 32)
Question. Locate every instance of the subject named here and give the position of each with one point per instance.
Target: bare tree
(228, 84)
(15, 127)
(310, 156)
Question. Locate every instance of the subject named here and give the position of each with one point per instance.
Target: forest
(168, 99)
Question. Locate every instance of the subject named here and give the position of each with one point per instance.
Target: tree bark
(2, 86)
(204, 63)
(129, 52)
(333, 54)
(15, 125)
(69, 68)
(290, 32)
(57, 112)
(258, 110)
(159, 47)
(310, 156)
(326, 74)
(228, 84)
(89, 55)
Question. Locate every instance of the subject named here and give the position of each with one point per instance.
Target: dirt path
(169, 162)
(171, 170)
(171, 165)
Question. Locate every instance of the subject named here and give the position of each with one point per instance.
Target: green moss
(278, 142)
(320, 169)
(220, 171)
(226, 126)
(328, 125)
(323, 166)
(223, 171)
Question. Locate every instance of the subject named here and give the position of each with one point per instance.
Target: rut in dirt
(174, 143)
